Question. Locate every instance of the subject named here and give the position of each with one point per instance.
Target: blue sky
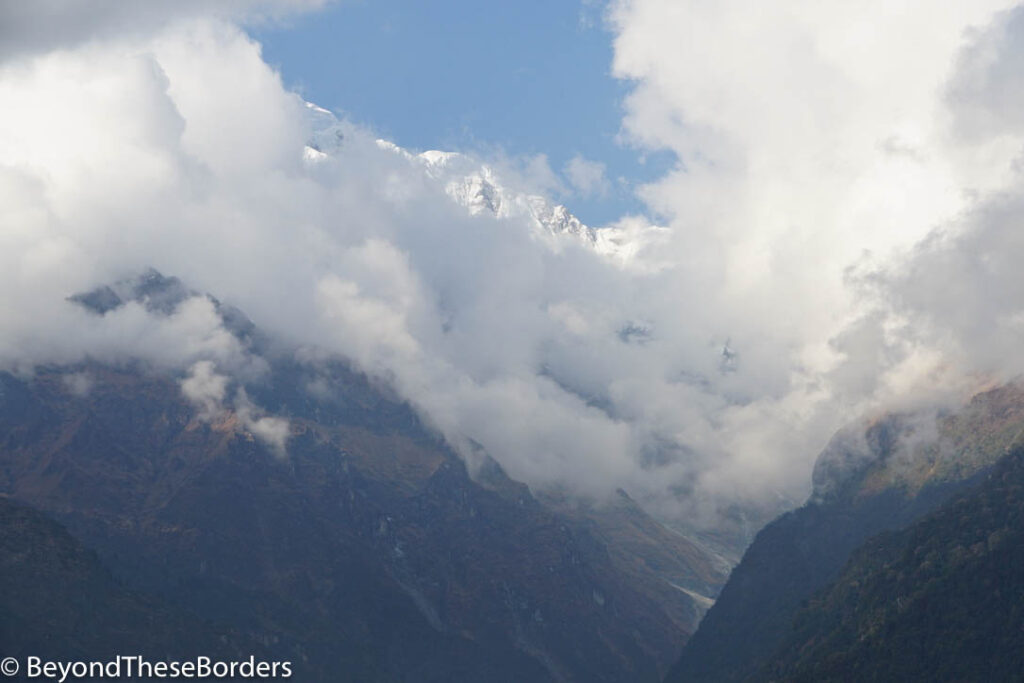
(525, 77)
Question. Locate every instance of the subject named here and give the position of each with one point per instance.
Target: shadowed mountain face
(368, 547)
(865, 484)
(942, 600)
(57, 600)
(366, 552)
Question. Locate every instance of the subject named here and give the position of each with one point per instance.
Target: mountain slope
(864, 484)
(57, 601)
(941, 600)
(639, 545)
(361, 539)
(364, 548)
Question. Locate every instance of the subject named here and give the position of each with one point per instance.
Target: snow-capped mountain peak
(484, 190)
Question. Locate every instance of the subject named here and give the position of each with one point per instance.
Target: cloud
(272, 431)
(800, 281)
(960, 293)
(587, 177)
(28, 28)
(205, 388)
(784, 118)
(986, 91)
(78, 383)
(955, 296)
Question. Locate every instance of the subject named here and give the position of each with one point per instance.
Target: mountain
(58, 601)
(355, 545)
(481, 188)
(867, 481)
(942, 600)
(639, 546)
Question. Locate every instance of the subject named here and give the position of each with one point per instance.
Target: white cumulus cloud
(847, 184)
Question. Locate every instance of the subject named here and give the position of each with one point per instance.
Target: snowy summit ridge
(480, 189)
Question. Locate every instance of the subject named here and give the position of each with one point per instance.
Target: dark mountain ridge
(941, 600)
(865, 484)
(85, 613)
(366, 553)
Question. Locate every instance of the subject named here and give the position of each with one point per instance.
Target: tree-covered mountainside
(789, 559)
(942, 600)
(866, 483)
